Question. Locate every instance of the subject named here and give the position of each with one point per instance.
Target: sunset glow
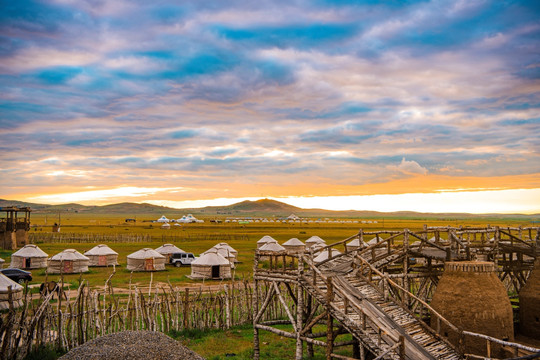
(425, 106)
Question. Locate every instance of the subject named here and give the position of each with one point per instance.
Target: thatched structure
(265, 239)
(529, 304)
(471, 296)
(146, 260)
(168, 249)
(211, 265)
(68, 261)
(229, 248)
(29, 257)
(294, 245)
(102, 255)
(16, 292)
(314, 240)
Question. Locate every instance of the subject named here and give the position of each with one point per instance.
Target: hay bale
(529, 304)
(471, 296)
(132, 345)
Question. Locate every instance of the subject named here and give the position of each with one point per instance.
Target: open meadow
(82, 232)
(78, 231)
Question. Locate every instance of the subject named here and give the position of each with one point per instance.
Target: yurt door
(102, 260)
(215, 271)
(68, 266)
(27, 262)
(149, 264)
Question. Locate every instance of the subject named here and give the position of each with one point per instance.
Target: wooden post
(255, 307)
(299, 309)
(329, 319)
(186, 308)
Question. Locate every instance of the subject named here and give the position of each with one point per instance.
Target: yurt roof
(223, 252)
(355, 242)
(265, 239)
(293, 242)
(275, 247)
(5, 282)
(146, 253)
(324, 255)
(30, 250)
(315, 239)
(211, 258)
(101, 249)
(226, 246)
(169, 249)
(2, 261)
(69, 254)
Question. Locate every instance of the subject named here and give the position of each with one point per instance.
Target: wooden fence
(66, 322)
(38, 237)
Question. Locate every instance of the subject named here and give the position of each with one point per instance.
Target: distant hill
(262, 207)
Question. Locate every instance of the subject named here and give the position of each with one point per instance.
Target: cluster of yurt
(29, 257)
(7, 285)
(168, 249)
(146, 260)
(211, 265)
(102, 255)
(264, 240)
(68, 261)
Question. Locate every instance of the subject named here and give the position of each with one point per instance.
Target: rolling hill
(262, 207)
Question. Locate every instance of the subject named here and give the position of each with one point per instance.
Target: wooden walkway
(380, 293)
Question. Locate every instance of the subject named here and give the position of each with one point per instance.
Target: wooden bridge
(379, 292)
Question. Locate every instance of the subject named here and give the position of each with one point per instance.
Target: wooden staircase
(384, 326)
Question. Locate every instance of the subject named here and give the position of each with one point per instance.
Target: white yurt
(355, 244)
(228, 247)
(29, 257)
(166, 226)
(272, 247)
(69, 261)
(2, 261)
(168, 249)
(314, 240)
(294, 245)
(265, 239)
(210, 265)
(325, 254)
(102, 255)
(16, 293)
(225, 253)
(146, 260)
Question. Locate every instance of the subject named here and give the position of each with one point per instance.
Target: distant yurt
(272, 247)
(471, 296)
(529, 304)
(355, 244)
(265, 239)
(146, 260)
(102, 255)
(168, 249)
(314, 240)
(210, 265)
(325, 254)
(68, 261)
(16, 293)
(29, 257)
(166, 226)
(294, 245)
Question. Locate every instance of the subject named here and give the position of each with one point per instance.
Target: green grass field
(197, 238)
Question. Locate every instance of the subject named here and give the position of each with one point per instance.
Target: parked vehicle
(17, 275)
(179, 259)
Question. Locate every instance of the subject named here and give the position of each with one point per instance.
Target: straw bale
(471, 296)
(529, 304)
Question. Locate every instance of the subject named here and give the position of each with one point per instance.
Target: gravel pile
(128, 345)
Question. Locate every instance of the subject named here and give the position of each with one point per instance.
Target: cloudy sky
(385, 105)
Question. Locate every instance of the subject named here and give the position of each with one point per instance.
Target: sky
(369, 105)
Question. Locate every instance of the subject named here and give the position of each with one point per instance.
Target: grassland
(197, 238)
